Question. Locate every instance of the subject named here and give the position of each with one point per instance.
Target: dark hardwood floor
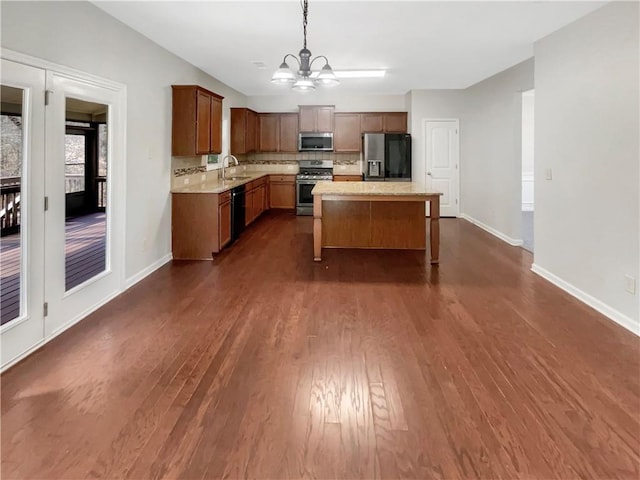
(371, 364)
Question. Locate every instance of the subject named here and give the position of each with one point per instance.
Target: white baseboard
(603, 308)
(492, 231)
(527, 207)
(132, 280)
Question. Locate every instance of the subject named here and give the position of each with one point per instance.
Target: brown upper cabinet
(395, 122)
(196, 121)
(269, 128)
(316, 118)
(278, 132)
(346, 137)
(388, 122)
(288, 132)
(244, 131)
(371, 123)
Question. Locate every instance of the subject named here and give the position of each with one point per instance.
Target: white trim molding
(599, 306)
(145, 272)
(527, 192)
(505, 238)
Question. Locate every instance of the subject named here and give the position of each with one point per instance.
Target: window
(74, 160)
(11, 155)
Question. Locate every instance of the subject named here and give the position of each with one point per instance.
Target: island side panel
(346, 223)
(317, 228)
(434, 232)
(398, 225)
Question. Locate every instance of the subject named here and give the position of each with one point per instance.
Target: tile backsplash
(182, 166)
(286, 158)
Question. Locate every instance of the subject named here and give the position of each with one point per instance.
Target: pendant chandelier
(303, 80)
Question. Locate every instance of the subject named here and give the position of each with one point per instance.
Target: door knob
(429, 173)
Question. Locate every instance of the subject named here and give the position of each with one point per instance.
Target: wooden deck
(84, 258)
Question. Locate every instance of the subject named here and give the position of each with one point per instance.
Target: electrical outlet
(548, 174)
(630, 284)
(186, 181)
(203, 177)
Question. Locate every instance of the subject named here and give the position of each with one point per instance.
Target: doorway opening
(527, 169)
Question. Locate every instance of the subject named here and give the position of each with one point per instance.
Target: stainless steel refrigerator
(386, 157)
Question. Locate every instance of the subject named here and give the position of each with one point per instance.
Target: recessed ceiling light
(357, 73)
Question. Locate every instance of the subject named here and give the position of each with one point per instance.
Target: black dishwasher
(237, 211)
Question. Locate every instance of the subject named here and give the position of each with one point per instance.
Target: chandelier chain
(305, 7)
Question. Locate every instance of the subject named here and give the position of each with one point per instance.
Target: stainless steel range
(311, 171)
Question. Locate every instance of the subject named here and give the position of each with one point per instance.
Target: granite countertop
(217, 185)
(372, 188)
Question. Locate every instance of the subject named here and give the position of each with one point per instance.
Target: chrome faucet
(224, 158)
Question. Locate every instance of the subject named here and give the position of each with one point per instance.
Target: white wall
(289, 101)
(81, 36)
(491, 151)
(587, 124)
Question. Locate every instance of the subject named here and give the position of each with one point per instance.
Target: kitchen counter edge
(221, 186)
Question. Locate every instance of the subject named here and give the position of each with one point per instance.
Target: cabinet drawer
(224, 197)
(283, 178)
(347, 178)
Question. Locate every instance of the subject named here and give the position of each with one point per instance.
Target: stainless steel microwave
(315, 142)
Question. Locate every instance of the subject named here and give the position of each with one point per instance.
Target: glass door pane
(11, 162)
(85, 191)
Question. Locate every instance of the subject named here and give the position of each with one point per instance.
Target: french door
(22, 244)
(70, 260)
(82, 253)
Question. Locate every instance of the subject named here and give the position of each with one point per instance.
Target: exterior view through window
(86, 157)
(11, 166)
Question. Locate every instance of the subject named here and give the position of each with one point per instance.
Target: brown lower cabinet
(200, 224)
(255, 199)
(282, 191)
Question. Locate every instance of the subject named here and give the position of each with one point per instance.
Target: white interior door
(442, 163)
(84, 251)
(22, 243)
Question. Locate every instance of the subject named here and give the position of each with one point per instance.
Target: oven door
(303, 193)
(304, 199)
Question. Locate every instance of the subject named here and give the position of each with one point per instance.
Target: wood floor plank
(371, 364)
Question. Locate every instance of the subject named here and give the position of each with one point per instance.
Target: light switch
(630, 284)
(548, 174)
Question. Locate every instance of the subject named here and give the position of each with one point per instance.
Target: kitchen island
(377, 215)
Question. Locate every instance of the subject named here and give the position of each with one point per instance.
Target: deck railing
(9, 205)
(101, 188)
(10, 202)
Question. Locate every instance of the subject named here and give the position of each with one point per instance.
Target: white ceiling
(422, 44)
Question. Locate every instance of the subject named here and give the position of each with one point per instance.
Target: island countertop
(372, 188)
